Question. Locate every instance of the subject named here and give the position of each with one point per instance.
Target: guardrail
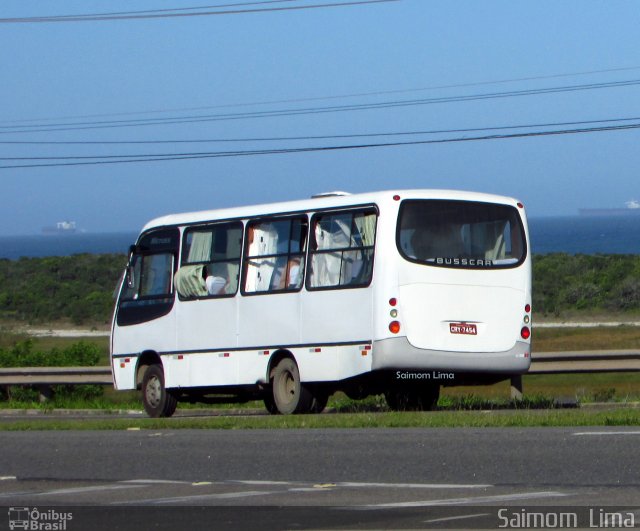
(44, 377)
(586, 361)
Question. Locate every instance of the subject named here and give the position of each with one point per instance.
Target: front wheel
(289, 394)
(157, 401)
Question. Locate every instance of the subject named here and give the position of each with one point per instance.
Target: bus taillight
(525, 332)
(394, 327)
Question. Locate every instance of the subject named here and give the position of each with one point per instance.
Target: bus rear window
(463, 234)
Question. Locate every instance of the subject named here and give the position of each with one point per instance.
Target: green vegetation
(79, 289)
(596, 338)
(438, 419)
(23, 354)
(540, 390)
(75, 288)
(581, 284)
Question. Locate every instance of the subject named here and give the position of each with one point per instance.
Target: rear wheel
(158, 402)
(289, 394)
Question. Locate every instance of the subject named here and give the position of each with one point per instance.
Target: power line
(337, 96)
(244, 153)
(148, 11)
(316, 137)
(152, 15)
(107, 124)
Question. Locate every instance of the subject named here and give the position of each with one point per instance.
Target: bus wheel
(158, 402)
(289, 395)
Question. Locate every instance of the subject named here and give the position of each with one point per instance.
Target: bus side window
(274, 258)
(342, 250)
(210, 261)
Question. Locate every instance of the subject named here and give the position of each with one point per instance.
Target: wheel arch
(276, 357)
(148, 357)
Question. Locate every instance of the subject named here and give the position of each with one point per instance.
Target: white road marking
(157, 481)
(7, 478)
(413, 485)
(468, 500)
(80, 490)
(450, 518)
(189, 499)
(604, 433)
(261, 482)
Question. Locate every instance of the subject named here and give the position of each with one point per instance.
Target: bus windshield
(461, 234)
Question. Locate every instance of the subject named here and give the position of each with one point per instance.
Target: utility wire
(98, 17)
(148, 11)
(72, 126)
(316, 137)
(334, 97)
(244, 153)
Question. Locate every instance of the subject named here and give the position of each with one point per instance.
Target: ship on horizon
(61, 227)
(632, 208)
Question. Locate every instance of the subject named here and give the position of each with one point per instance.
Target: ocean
(569, 234)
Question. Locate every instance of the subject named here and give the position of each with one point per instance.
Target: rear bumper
(398, 353)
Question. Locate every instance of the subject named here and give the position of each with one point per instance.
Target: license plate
(463, 328)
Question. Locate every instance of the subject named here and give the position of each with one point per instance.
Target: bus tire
(289, 394)
(157, 401)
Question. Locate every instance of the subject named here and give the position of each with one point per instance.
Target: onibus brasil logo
(40, 520)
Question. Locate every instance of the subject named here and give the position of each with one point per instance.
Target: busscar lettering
(464, 262)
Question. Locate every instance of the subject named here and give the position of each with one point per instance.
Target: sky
(266, 87)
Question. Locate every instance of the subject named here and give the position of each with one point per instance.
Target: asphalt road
(364, 478)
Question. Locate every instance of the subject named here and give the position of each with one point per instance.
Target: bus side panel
(205, 325)
(337, 316)
(333, 317)
(331, 364)
(270, 320)
(129, 342)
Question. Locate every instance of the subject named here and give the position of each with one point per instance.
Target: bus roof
(321, 202)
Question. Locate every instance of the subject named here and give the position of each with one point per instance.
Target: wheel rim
(286, 388)
(153, 391)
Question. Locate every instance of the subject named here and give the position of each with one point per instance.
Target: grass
(572, 339)
(480, 406)
(444, 419)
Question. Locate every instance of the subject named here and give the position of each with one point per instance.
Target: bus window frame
(405, 256)
(199, 228)
(353, 211)
(252, 222)
(141, 309)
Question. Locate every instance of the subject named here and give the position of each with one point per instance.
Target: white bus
(394, 292)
